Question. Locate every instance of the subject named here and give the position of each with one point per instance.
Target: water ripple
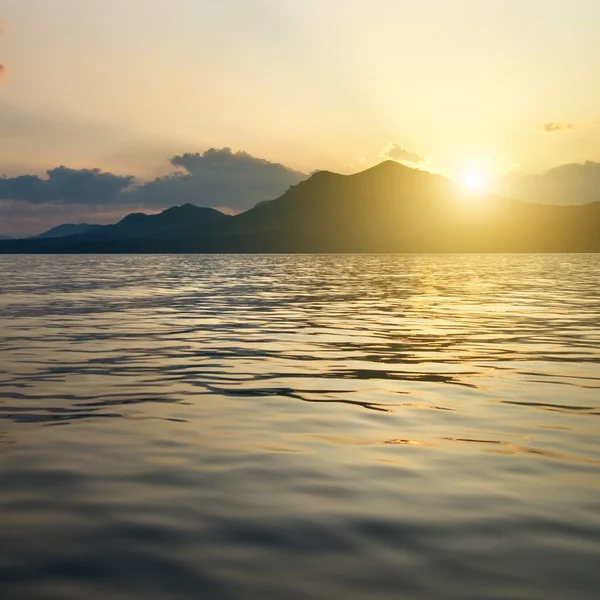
(195, 426)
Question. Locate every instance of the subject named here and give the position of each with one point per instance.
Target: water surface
(295, 427)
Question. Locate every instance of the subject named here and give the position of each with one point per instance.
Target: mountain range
(388, 208)
(134, 225)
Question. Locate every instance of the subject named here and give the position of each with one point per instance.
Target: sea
(294, 427)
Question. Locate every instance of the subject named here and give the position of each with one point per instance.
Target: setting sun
(474, 180)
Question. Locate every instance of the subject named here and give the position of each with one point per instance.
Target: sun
(474, 180)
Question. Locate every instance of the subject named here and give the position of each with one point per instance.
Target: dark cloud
(215, 178)
(400, 154)
(67, 186)
(551, 127)
(219, 178)
(575, 183)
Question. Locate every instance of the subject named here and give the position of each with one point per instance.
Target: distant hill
(64, 238)
(5, 237)
(67, 229)
(174, 218)
(388, 208)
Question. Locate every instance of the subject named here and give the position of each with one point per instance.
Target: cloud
(574, 183)
(219, 178)
(66, 186)
(400, 154)
(551, 127)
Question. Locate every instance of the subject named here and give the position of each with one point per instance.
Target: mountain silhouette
(175, 218)
(187, 217)
(67, 229)
(388, 208)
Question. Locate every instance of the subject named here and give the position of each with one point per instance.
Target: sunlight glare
(474, 180)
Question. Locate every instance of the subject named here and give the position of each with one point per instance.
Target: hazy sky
(125, 84)
(310, 83)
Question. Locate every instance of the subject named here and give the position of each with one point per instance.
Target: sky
(510, 86)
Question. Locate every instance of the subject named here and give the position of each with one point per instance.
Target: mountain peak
(187, 207)
(388, 166)
(133, 218)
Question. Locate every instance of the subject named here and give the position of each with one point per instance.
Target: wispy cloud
(396, 152)
(551, 127)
